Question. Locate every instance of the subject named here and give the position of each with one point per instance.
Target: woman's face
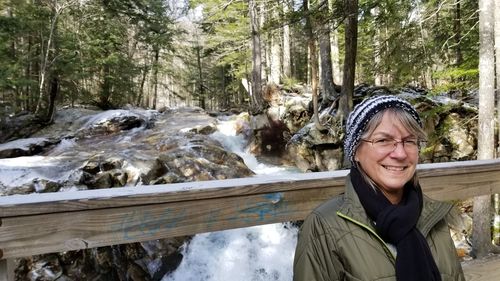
(390, 170)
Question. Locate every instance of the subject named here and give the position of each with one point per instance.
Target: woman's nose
(399, 150)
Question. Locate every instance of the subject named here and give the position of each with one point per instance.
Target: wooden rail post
(7, 267)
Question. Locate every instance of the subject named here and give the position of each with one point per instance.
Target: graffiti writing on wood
(144, 224)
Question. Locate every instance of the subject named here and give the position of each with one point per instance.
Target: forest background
(155, 53)
(223, 54)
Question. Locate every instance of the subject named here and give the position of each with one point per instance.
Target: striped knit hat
(364, 112)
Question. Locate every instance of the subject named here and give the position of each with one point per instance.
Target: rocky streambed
(88, 149)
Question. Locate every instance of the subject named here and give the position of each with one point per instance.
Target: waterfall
(259, 253)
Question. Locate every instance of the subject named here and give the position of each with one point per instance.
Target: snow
(63, 146)
(22, 170)
(22, 144)
(105, 116)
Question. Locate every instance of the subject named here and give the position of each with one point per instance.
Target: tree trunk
(53, 93)
(287, 61)
(17, 98)
(481, 234)
(44, 58)
(275, 60)
(334, 43)
(351, 41)
(313, 62)
(201, 89)
(264, 41)
(497, 64)
(496, 228)
(256, 89)
(105, 95)
(155, 76)
(224, 100)
(54, 84)
(377, 50)
(28, 94)
(145, 70)
(457, 27)
(327, 85)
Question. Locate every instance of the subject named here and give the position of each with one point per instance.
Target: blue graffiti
(272, 207)
(144, 224)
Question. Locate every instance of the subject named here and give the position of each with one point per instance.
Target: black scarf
(396, 224)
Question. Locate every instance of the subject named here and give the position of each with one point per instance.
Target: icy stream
(260, 253)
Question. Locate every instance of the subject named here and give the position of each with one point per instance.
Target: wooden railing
(55, 222)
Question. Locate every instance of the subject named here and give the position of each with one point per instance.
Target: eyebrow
(387, 135)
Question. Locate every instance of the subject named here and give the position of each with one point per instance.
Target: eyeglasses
(387, 145)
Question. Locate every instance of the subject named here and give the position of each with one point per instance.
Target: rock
(242, 125)
(204, 130)
(154, 170)
(20, 126)
(101, 180)
(22, 189)
(259, 122)
(41, 268)
(458, 136)
(114, 121)
(26, 147)
(42, 186)
(296, 114)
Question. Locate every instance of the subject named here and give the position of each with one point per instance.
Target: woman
(382, 227)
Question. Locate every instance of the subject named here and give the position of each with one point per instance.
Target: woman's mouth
(394, 168)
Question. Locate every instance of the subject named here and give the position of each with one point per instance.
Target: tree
(351, 37)
(481, 236)
(275, 49)
(257, 101)
(313, 61)
(325, 50)
(337, 74)
(47, 56)
(287, 60)
(497, 65)
(457, 28)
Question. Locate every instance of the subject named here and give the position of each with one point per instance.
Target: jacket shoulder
(330, 206)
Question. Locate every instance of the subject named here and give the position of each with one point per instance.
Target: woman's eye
(382, 141)
(411, 142)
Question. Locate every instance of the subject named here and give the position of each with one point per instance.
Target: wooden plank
(462, 186)
(44, 203)
(44, 223)
(439, 180)
(57, 232)
(486, 269)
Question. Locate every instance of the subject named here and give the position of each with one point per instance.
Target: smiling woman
(382, 227)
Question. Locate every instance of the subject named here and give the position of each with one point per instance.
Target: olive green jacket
(338, 242)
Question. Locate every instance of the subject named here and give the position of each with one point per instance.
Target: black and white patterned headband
(364, 112)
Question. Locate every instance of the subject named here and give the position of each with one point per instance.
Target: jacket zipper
(369, 230)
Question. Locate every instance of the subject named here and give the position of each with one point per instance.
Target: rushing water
(260, 253)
